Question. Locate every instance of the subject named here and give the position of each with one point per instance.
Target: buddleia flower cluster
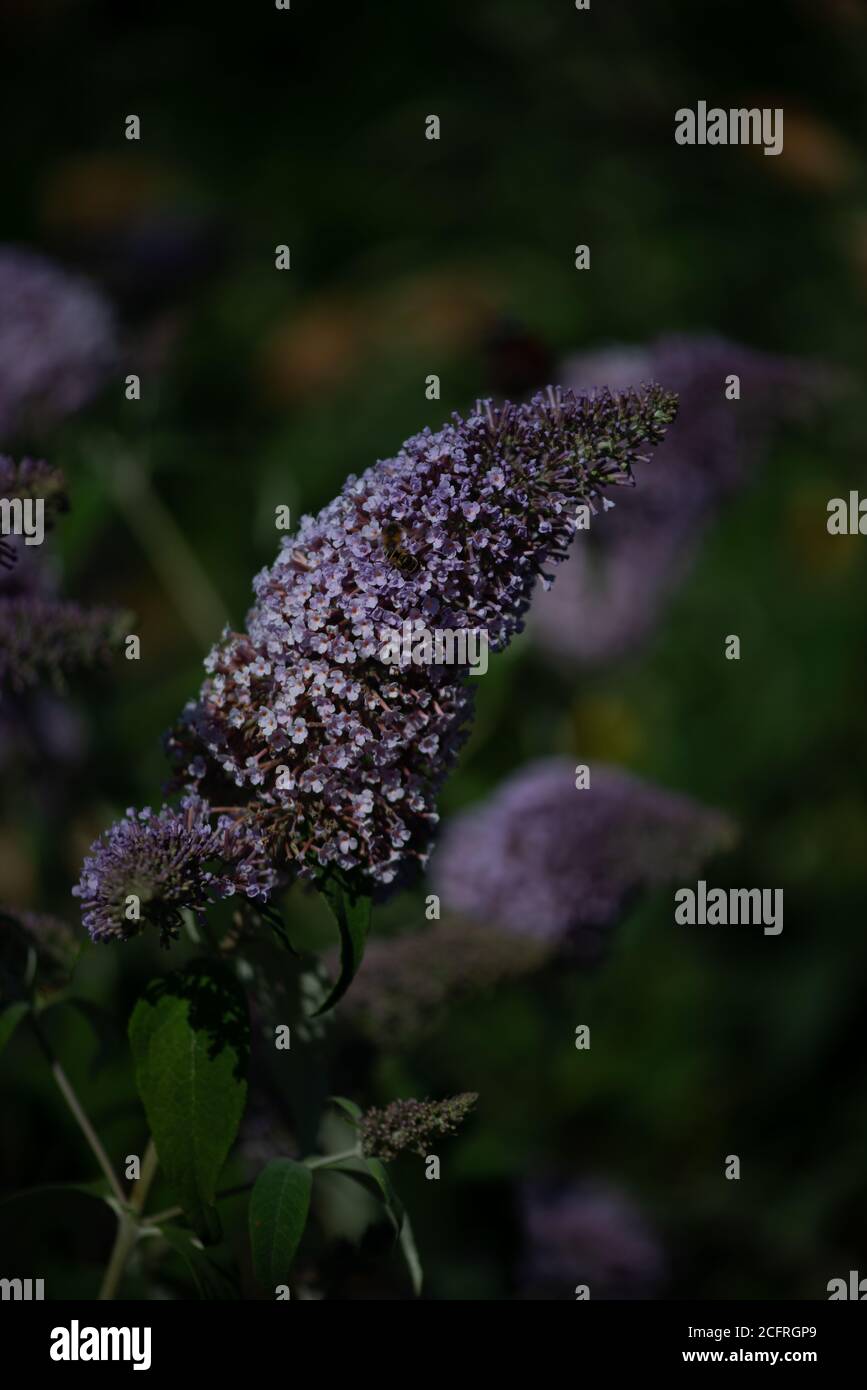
(544, 859)
(58, 341)
(411, 1125)
(149, 867)
(338, 752)
(614, 586)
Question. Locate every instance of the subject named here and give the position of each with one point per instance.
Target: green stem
(170, 1213)
(128, 1225)
(68, 1092)
(148, 1173)
(127, 1233)
(328, 1159)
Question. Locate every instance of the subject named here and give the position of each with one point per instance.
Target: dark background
(261, 388)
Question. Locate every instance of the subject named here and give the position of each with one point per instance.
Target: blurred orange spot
(813, 155)
(440, 310)
(315, 350)
(98, 193)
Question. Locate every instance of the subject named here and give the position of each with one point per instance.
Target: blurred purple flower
(548, 861)
(577, 1233)
(168, 861)
(341, 754)
(50, 943)
(42, 739)
(264, 1134)
(19, 566)
(159, 255)
(43, 638)
(47, 639)
(613, 588)
(407, 981)
(57, 341)
(34, 479)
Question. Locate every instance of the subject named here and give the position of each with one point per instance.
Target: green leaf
(373, 1175)
(10, 1018)
(211, 1282)
(349, 1107)
(39, 1222)
(410, 1255)
(279, 1204)
(393, 1204)
(190, 1037)
(99, 1190)
(352, 912)
(356, 1168)
(274, 920)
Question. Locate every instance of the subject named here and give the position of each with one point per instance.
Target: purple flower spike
(342, 754)
(148, 868)
(613, 590)
(412, 1124)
